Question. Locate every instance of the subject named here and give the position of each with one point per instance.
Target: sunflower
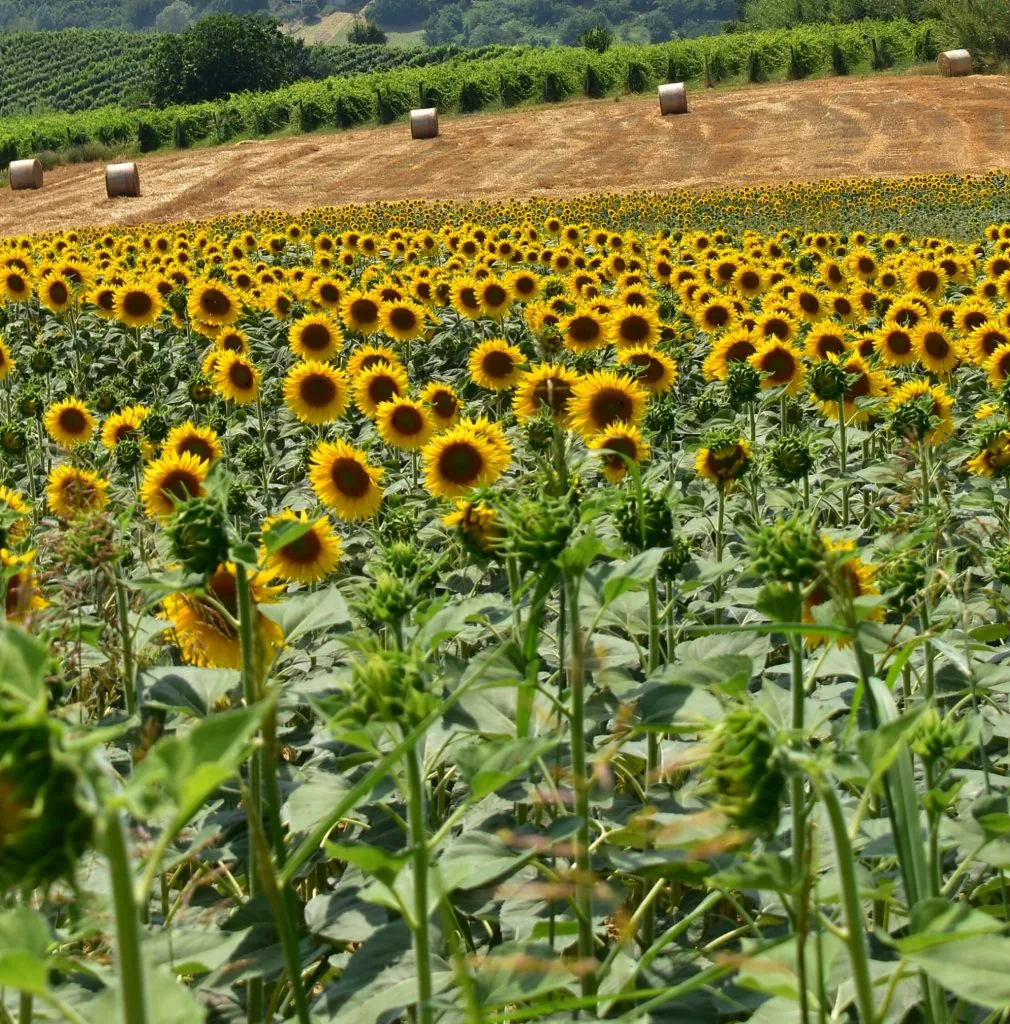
(583, 330)
(379, 383)
(69, 422)
(190, 439)
(364, 357)
(311, 554)
(934, 347)
(478, 523)
(943, 404)
(657, 372)
(464, 297)
(863, 382)
(494, 297)
(56, 293)
(984, 341)
(316, 336)
(825, 340)
(23, 593)
(326, 292)
(722, 460)
(7, 364)
(171, 479)
(495, 364)
(71, 491)
(316, 393)
(714, 315)
(342, 479)
(442, 403)
(997, 367)
(14, 285)
(16, 511)
(808, 305)
(632, 327)
(459, 460)
(893, 343)
(618, 443)
(232, 339)
(205, 623)
(137, 304)
(403, 320)
(993, 457)
(404, 423)
(361, 312)
(735, 346)
(779, 364)
(603, 398)
(546, 386)
(236, 378)
(124, 425)
(853, 576)
(776, 325)
(212, 302)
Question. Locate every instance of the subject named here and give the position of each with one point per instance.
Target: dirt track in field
(878, 127)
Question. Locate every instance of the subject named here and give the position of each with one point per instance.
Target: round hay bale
(424, 123)
(954, 63)
(672, 99)
(24, 174)
(122, 180)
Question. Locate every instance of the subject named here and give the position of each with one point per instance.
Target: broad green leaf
(974, 968)
(310, 613)
(622, 577)
(373, 861)
(24, 971)
(24, 663)
(284, 532)
(515, 972)
(344, 916)
(186, 689)
(487, 766)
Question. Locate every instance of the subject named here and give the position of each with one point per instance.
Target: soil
(879, 126)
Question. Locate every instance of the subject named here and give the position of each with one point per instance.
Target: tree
(223, 54)
(176, 17)
(598, 38)
(399, 13)
(364, 33)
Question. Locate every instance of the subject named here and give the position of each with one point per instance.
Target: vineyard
(511, 611)
(532, 76)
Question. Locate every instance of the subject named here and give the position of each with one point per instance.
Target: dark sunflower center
(584, 330)
(241, 376)
(936, 345)
(407, 420)
(652, 369)
(610, 405)
(974, 319)
(138, 303)
(552, 392)
(749, 280)
(525, 285)
(372, 360)
(723, 462)
(991, 342)
(16, 284)
(232, 343)
(215, 302)
(382, 388)
(444, 404)
(317, 390)
(197, 446)
(928, 280)
(809, 303)
(468, 298)
(866, 265)
(125, 431)
(304, 549)
(495, 295)
(105, 299)
(350, 478)
(460, 463)
(73, 421)
(775, 328)
(842, 306)
(497, 364)
(620, 446)
(739, 351)
(636, 328)
(779, 366)
(58, 292)
(222, 587)
(181, 484)
(859, 388)
(364, 312)
(899, 343)
(315, 337)
(830, 343)
(403, 319)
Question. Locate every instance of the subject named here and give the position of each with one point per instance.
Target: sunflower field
(503, 613)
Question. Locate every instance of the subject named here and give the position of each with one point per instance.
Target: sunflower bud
(743, 383)
(198, 533)
(914, 419)
(129, 453)
(787, 551)
(744, 770)
(710, 402)
(539, 433)
(13, 438)
(828, 381)
(537, 528)
(251, 456)
(389, 686)
(155, 426)
(789, 457)
(649, 525)
(41, 360)
(390, 599)
(905, 575)
(43, 830)
(940, 738)
(87, 542)
(1000, 559)
(661, 413)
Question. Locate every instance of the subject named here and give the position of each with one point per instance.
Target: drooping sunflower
(310, 555)
(459, 460)
(361, 312)
(212, 302)
(893, 343)
(863, 382)
(343, 480)
(583, 330)
(13, 505)
(208, 637)
(616, 444)
(190, 439)
(316, 337)
(171, 479)
(657, 372)
(779, 364)
(236, 378)
(404, 423)
(71, 491)
(137, 304)
(69, 422)
(379, 383)
(402, 319)
(722, 459)
(603, 398)
(733, 347)
(943, 405)
(934, 346)
(23, 593)
(316, 392)
(124, 425)
(633, 326)
(442, 403)
(496, 365)
(851, 576)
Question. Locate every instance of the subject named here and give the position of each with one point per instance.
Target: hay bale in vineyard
(954, 63)
(122, 180)
(24, 174)
(424, 123)
(672, 99)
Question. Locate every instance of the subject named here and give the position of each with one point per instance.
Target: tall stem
(25, 1007)
(843, 460)
(720, 525)
(855, 935)
(652, 757)
(419, 851)
(799, 829)
(126, 642)
(580, 785)
(131, 967)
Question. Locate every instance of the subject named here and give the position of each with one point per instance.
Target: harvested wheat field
(879, 126)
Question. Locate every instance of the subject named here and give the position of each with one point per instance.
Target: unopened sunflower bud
(743, 383)
(390, 687)
(645, 525)
(129, 454)
(905, 576)
(198, 533)
(537, 528)
(787, 551)
(789, 457)
(828, 380)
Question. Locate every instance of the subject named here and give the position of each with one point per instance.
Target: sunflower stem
(799, 825)
(25, 1006)
(720, 525)
(126, 640)
(843, 461)
(419, 852)
(653, 761)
